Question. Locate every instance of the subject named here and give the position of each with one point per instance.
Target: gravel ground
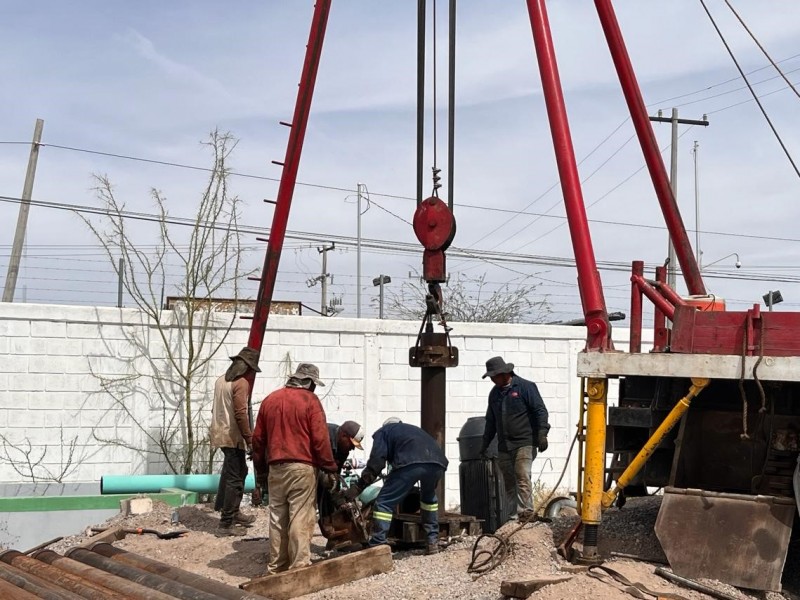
(415, 576)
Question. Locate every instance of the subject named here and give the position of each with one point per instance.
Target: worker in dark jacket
(413, 456)
(518, 416)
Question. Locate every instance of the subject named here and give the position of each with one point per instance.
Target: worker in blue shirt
(518, 416)
(413, 456)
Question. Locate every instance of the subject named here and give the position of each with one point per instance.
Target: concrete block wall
(49, 355)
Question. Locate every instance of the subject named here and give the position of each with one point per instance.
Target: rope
(634, 588)
(763, 408)
(743, 435)
(485, 560)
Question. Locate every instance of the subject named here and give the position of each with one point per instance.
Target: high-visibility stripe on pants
(429, 507)
(382, 516)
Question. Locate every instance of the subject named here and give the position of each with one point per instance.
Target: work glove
(542, 440)
(483, 454)
(329, 480)
(352, 493)
(249, 452)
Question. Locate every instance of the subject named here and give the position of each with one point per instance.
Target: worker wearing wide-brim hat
(290, 443)
(230, 432)
(516, 414)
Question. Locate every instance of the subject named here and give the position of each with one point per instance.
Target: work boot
(527, 515)
(245, 520)
(230, 530)
(432, 549)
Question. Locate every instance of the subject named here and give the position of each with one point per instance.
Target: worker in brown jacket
(230, 432)
(290, 444)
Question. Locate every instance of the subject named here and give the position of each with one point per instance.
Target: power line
(763, 50)
(752, 91)
(346, 241)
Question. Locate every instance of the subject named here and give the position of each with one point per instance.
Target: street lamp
(771, 298)
(738, 262)
(380, 281)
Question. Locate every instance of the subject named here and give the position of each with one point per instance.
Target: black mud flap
(735, 538)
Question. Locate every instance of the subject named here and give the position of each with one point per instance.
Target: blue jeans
(396, 487)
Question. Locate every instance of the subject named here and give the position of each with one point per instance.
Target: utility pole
(22, 219)
(698, 252)
(673, 179)
(324, 277)
(358, 253)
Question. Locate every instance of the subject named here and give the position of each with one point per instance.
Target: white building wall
(48, 355)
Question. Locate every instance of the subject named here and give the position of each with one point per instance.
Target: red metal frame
(652, 155)
(637, 270)
(594, 306)
(291, 163)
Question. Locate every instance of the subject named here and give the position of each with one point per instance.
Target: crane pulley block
(435, 228)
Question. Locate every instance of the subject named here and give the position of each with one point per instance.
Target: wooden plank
(323, 574)
(523, 589)
(110, 535)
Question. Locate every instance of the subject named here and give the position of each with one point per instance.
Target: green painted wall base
(171, 496)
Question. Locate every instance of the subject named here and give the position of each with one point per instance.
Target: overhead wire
(750, 87)
(761, 47)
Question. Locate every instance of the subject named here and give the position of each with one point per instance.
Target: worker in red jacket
(290, 443)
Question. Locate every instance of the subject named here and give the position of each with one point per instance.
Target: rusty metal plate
(734, 538)
(433, 356)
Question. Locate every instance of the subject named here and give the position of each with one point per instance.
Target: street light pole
(379, 282)
(698, 252)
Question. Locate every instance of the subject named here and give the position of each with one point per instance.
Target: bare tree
(173, 348)
(469, 300)
(31, 462)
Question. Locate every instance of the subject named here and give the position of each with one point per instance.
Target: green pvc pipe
(202, 483)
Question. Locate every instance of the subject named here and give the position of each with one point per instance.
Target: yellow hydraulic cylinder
(594, 472)
(698, 384)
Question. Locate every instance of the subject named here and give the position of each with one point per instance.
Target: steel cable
(485, 560)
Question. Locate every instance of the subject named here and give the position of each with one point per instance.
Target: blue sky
(151, 79)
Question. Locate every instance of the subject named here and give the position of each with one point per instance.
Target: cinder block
(136, 506)
(500, 345)
(14, 364)
(478, 343)
(52, 329)
(555, 375)
(86, 331)
(353, 340)
(556, 346)
(350, 371)
(533, 346)
(15, 328)
(24, 383)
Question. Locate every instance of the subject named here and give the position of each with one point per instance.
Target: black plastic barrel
(470, 440)
(483, 493)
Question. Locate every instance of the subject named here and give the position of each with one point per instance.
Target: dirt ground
(416, 576)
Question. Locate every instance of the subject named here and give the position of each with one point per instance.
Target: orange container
(709, 302)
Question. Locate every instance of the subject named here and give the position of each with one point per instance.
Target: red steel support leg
(661, 303)
(652, 155)
(294, 148)
(637, 269)
(660, 331)
(594, 306)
